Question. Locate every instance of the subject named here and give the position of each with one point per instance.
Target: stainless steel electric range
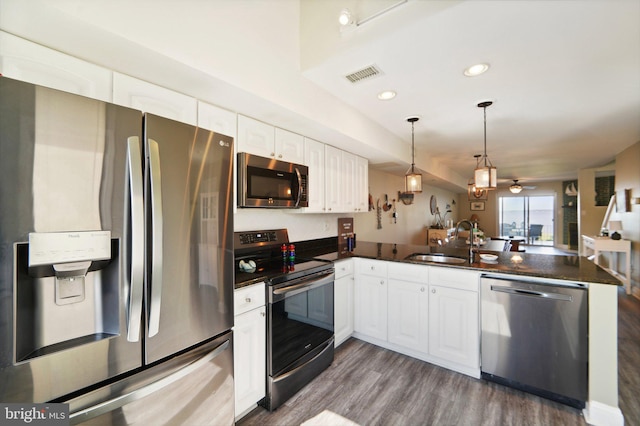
(300, 329)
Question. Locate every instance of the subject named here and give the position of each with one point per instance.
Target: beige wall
(412, 219)
(628, 177)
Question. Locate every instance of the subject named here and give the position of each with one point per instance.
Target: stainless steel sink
(436, 258)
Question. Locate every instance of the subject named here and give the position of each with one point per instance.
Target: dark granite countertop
(570, 268)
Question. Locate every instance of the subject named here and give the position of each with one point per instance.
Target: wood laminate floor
(369, 385)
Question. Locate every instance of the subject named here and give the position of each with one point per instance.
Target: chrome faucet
(470, 236)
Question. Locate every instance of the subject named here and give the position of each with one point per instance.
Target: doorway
(529, 218)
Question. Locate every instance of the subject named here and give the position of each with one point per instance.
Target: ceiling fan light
(515, 188)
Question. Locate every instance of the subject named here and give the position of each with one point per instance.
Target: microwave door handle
(156, 232)
(135, 203)
(299, 177)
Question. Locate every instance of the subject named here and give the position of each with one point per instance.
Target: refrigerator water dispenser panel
(48, 248)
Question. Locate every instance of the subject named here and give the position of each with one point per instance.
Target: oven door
(265, 182)
(300, 320)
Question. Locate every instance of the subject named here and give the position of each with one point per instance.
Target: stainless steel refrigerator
(116, 261)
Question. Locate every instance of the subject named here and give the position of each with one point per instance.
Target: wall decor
(477, 206)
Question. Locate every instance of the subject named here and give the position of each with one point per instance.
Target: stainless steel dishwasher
(534, 336)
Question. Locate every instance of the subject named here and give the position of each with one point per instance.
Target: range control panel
(260, 238)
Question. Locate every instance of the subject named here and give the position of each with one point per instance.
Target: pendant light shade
(412, 179)
(485, 175)
(516, 187)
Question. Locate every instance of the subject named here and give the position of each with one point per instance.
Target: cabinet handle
(422, 289)
(381, 282)
(262, 313)
(248, 300)
(273, 154)
(280, 156)
(433, 291)
(373, 268)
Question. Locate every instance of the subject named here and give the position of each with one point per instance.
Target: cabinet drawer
(377, 268)
(343, 268)
(247, 298)
(408, 272)
(453, 278)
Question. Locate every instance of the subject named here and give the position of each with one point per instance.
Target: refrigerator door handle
(156, 235)
(136, 206)
(129, 397)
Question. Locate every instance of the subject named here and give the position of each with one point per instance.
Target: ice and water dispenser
(67, 291)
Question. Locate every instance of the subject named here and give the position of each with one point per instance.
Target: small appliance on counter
(299, 294)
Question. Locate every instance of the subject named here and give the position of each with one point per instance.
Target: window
(529, 217)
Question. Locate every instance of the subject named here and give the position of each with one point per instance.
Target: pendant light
(516, 187)
(485, 175)
(412, 180)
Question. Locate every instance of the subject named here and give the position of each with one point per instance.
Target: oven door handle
(307, 284)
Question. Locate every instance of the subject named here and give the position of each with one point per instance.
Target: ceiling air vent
(363, 74)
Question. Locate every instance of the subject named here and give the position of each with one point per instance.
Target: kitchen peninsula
(602, 403)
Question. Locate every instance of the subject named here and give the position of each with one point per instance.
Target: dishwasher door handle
(533, 293)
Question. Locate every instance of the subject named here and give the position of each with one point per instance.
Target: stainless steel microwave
(266, 182)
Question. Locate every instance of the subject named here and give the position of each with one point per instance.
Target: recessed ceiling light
(386, 95)
(476, 69)
(345, 17)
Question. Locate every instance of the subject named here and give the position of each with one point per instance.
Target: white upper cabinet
(218, 119)
(332, 187)
(30, 62)
(362, 185)
(265, 140)
(314, 159)
(255, 137)
(348, 182)
(147, 97)
(289, 146)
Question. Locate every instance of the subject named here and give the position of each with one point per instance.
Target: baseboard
(597, 413)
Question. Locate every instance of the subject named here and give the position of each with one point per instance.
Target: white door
(371, 306)
(249, 358)
(409, 315)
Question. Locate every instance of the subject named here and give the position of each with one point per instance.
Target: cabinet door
(343, 308)
(362, 185)
(218, 119)
(409, 315)
(30, 62)
(147, 97)
(371, 306)
(314, 159)
(453, 325)
(249, 354)
(289, 146)
(333, 188)
(256, 137)
(348, 182)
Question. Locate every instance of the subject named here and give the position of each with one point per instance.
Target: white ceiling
(564, 76)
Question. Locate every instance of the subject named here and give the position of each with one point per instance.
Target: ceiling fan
(516, 187)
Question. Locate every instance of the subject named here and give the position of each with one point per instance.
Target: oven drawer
(248, 298)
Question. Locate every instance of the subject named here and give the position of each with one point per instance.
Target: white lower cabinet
(408, 315)
(428, 312)
(371, 299)
(343, 290)
(249, 348)
(453, 325)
